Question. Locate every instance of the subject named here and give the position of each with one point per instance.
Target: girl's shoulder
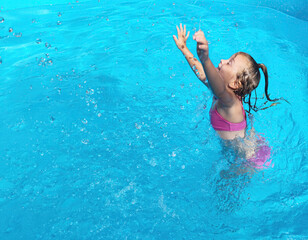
(233, 113)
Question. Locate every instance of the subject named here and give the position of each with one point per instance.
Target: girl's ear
(235, 85)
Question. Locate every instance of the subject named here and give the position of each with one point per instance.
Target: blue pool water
(105, 131)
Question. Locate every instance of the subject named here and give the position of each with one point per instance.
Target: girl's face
(228, 69)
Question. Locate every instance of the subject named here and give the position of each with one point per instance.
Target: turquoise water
(106, 134)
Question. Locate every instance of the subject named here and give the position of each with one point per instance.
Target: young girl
(231, 82)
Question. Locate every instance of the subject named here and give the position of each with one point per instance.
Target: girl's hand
(182, 37)
(202, 46)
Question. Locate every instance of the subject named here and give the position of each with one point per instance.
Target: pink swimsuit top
(220, 124)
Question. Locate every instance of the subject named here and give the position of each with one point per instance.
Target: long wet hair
(249, 80)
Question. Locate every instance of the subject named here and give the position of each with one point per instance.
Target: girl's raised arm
(195, 65)
(216, 83)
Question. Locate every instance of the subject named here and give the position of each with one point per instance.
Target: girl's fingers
(181, 27)
(187, 35)
(184, 29)
(200, 39)
(202, 46)
(175, 39)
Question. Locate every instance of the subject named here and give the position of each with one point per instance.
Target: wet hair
(249, 79)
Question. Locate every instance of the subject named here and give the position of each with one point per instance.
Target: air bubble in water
(0, 60)
(84, 121)
(59, 14)
(10, 29)
(48, 45)
(59, 23)
(38, 41)
(1, 19)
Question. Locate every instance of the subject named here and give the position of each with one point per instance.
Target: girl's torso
(228, 123)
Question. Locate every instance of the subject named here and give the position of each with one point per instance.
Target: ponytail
(249, 79)
(264, 70)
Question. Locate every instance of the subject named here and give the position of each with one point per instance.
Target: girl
(231, 82)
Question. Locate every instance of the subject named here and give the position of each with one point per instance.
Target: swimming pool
(105, 129)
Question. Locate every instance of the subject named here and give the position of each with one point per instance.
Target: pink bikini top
(220, 124)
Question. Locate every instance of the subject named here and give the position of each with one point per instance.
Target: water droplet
(183, 166)
(59, 23)
(173, 154)
(38, 41)
(48, 45)
(1, 19)
(10, 29)
(18, 34)
(85, 141)
(84, 121)
(41, 60)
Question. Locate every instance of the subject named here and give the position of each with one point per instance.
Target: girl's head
(241, 73)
